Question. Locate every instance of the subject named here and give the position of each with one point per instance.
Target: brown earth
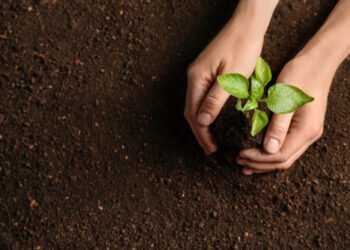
(95, 153)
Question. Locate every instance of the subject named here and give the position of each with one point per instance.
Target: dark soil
(232, 131)
(95, 153)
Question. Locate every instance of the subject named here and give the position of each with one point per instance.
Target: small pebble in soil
(2, 118)
(26, 124)
(315, 189)
(201, 225)
(198, 184)
(29, 88)
(328, 220)
(33, 203)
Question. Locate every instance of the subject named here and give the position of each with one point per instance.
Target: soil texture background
(95, 153)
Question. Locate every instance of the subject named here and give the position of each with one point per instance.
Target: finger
(295, 140)
(265, 166)
(276, 132)
(212, 105)
(293, 148)
(204, 138)
(250, 171)
(262, 166)
(196, 91)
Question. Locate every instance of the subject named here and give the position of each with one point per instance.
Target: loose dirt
(95, 153)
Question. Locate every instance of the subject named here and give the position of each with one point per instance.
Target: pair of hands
(287, 136)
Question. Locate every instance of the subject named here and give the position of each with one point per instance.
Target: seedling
(281, 98)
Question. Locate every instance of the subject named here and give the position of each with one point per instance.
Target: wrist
(331, 44)
(252, 17)
(326, 50)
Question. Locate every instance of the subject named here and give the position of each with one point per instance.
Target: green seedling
(281, 98)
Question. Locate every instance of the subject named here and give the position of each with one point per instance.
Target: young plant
(281, 98)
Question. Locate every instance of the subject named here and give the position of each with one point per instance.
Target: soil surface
(95, 153)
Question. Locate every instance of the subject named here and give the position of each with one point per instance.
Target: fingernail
(239, 161)
(246, 171)
(210, 150)
(272, 146)
(204, 118)
(245, 154)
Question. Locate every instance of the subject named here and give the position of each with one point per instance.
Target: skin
(288, 136)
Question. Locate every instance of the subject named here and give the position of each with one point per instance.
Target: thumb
(276, 132)
(212, 105)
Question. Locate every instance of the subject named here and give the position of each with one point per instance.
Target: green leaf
(250, 105)
(235, 84)
(257, 88)
(284, 98)
(260, 120)
(239, 105)
(263, 71)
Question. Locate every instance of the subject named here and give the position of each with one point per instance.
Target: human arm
(313, 68)
(235, 49)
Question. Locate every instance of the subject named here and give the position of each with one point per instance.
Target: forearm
(252, 17)
(331, 44)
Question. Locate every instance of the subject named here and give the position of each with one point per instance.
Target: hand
(288, 136)
(235, 49)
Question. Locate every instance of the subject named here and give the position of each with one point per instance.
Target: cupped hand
(289, 135)
(231, 51)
